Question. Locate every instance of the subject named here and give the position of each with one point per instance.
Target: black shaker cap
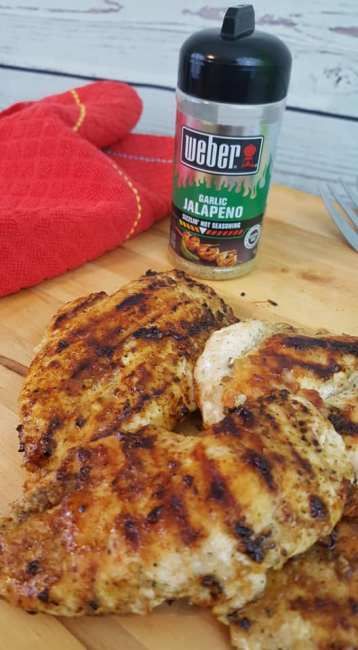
(235, 64)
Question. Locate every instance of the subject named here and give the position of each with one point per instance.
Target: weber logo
(220, 154)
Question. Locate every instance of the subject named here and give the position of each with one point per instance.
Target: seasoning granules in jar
(232, 86)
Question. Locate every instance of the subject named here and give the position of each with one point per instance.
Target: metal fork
(345, 218)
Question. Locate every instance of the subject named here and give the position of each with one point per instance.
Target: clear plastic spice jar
(232, 86)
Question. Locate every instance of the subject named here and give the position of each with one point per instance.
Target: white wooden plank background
(304, 157)
(139, 41)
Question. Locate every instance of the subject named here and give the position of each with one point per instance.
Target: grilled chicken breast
(126, 521)
(312, 604)
(125, 514)
(249, 359)
(116, 363)
(343, 413)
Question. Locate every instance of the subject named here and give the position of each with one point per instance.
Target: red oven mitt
(64, 201)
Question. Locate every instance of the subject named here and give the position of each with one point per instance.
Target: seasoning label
(221, 181)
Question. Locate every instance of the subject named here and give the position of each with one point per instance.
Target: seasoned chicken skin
(312, 603)
(117, 363)
(124, 514)
(249, 359)
(342, 411)
(127, 521)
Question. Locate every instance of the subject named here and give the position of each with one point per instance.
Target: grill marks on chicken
(119, 362)
(254, 358)
(150, 516)
(312, 603)
(342, 410)
(126, 514)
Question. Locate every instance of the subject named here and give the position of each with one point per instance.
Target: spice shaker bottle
(232, 85)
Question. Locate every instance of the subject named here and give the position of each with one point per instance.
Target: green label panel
(216, 222)
(215, 200)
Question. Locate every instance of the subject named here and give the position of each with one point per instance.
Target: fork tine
(352, 212)
(348, 210)
(352, 193)
(347, 231)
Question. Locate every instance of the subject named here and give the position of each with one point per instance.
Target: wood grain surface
(42, 41)
(303, 266)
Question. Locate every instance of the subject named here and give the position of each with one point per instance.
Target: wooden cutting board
(311, 276)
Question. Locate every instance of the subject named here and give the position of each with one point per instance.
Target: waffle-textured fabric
(74, 181)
